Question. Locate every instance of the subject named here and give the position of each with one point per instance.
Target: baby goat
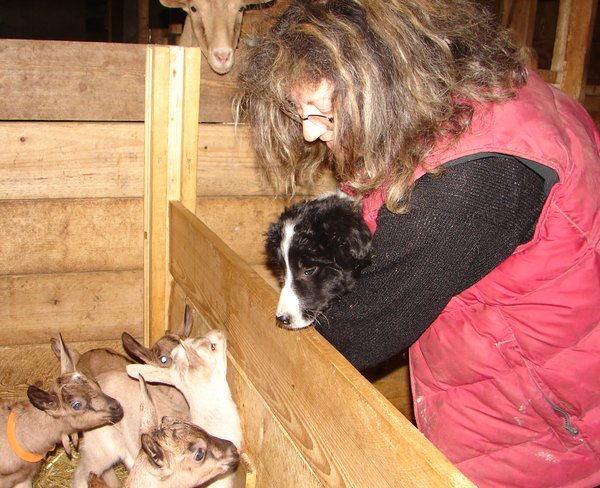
(199, 371)
(177, 453)
(105, 447)
(28, 431)
(121, 443)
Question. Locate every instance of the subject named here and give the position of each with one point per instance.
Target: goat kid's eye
(310, 271)
(76, 405)
(163, 359)
(213, 346)
(193, 8)
(199, 454)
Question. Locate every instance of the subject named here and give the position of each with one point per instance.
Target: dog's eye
(310, 271)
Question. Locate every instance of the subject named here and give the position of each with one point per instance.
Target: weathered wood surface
(106, 160)
(84, 306)
(241, 222)
(295, 383)
(171, 157)
(78, 263)
(86, 81)
(62, 235)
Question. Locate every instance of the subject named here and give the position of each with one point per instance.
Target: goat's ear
(135, 350)
(155, 454)
(66, 362)
(55, 346)
(174, 3)
(152, 374)
(41, 399)
(188, 322)
(148, 418)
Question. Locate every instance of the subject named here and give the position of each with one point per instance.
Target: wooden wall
(72, 185)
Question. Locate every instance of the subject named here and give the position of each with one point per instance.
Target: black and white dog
(318, 247)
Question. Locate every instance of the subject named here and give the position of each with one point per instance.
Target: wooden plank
(291, 370)
(155, 194)
(106, 160)
(580, 30)
(56, 80)
(71, 160)
(62, 236)
(227, 165)
(87, 81)
(171, 143)
(519, 16)
(83, 306)
(241, 222)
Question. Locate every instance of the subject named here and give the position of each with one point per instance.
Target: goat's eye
(213, 346)
(193, 8)
(163, 359)
(310, 271)
(199, 454)
(76, 405)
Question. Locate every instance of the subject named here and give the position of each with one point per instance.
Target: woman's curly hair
(406, 74)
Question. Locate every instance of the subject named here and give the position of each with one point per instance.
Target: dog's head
(318, 247)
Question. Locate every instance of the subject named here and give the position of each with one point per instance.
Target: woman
(479, 182)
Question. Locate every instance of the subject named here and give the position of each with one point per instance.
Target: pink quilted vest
(506, 381)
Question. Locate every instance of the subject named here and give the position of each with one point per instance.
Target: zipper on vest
(568, 426)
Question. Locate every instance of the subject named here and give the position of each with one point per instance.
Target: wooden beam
(171, 145)
(90, 81)
(83, 306)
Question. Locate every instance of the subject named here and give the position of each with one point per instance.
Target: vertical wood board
(171, 142)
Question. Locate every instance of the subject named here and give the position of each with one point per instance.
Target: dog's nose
(283, 319)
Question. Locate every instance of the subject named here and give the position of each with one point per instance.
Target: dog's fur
(318, 247)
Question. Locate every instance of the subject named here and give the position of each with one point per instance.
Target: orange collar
(11, 433)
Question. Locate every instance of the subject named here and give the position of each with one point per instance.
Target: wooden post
(171, 151)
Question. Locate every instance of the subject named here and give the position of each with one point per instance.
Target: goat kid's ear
(155, 454)
(134, 349)
(66, 362)
(41, 399)
(151, 373)
(148, 417)
(188, 322)
(55, 345)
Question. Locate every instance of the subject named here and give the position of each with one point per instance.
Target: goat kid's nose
(116, 411)
(283, 319)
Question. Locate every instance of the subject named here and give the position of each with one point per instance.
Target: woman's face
(315, 100)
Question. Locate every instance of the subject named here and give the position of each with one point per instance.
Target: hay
(57, 470)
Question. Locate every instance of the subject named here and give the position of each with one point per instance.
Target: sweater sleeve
(460, 225)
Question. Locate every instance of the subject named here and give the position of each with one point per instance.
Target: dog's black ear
(351, 241)
(272, 243)
(354, 251)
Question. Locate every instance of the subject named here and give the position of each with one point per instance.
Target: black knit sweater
(460, 225)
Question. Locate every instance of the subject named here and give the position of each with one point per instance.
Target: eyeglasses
(321, 121)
